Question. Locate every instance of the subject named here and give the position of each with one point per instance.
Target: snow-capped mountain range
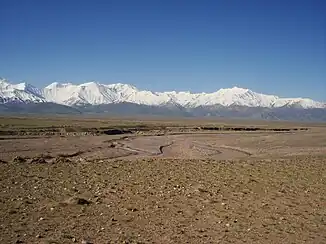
(93, 93)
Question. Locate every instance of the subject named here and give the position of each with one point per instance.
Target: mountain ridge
(94, 93)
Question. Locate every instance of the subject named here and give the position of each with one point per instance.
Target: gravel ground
(165, 201)
(226, 188)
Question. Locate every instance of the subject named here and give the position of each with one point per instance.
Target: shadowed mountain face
(134, 109)
(285, 113)
(37, 108)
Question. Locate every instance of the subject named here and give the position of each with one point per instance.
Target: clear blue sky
(275, 47)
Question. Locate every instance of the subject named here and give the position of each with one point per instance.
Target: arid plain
(135, 180)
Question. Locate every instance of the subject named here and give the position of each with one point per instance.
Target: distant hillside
(37, 108)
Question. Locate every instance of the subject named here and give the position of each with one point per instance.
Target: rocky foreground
(165, 201)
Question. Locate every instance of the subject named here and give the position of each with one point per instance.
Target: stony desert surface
(119, 180)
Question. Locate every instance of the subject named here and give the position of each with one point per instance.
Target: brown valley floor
(189, 187)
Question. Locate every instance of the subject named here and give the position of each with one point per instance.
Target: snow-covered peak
(96, 93)
(22, 92)
(6, 85)
(91, 86)
(237, 96)
(298, 102)
(57, 84)
(21, 86)
(3, 82)
(232, 91)
(122, 87)
(70, 94)
(28, 88)
(90, 83)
